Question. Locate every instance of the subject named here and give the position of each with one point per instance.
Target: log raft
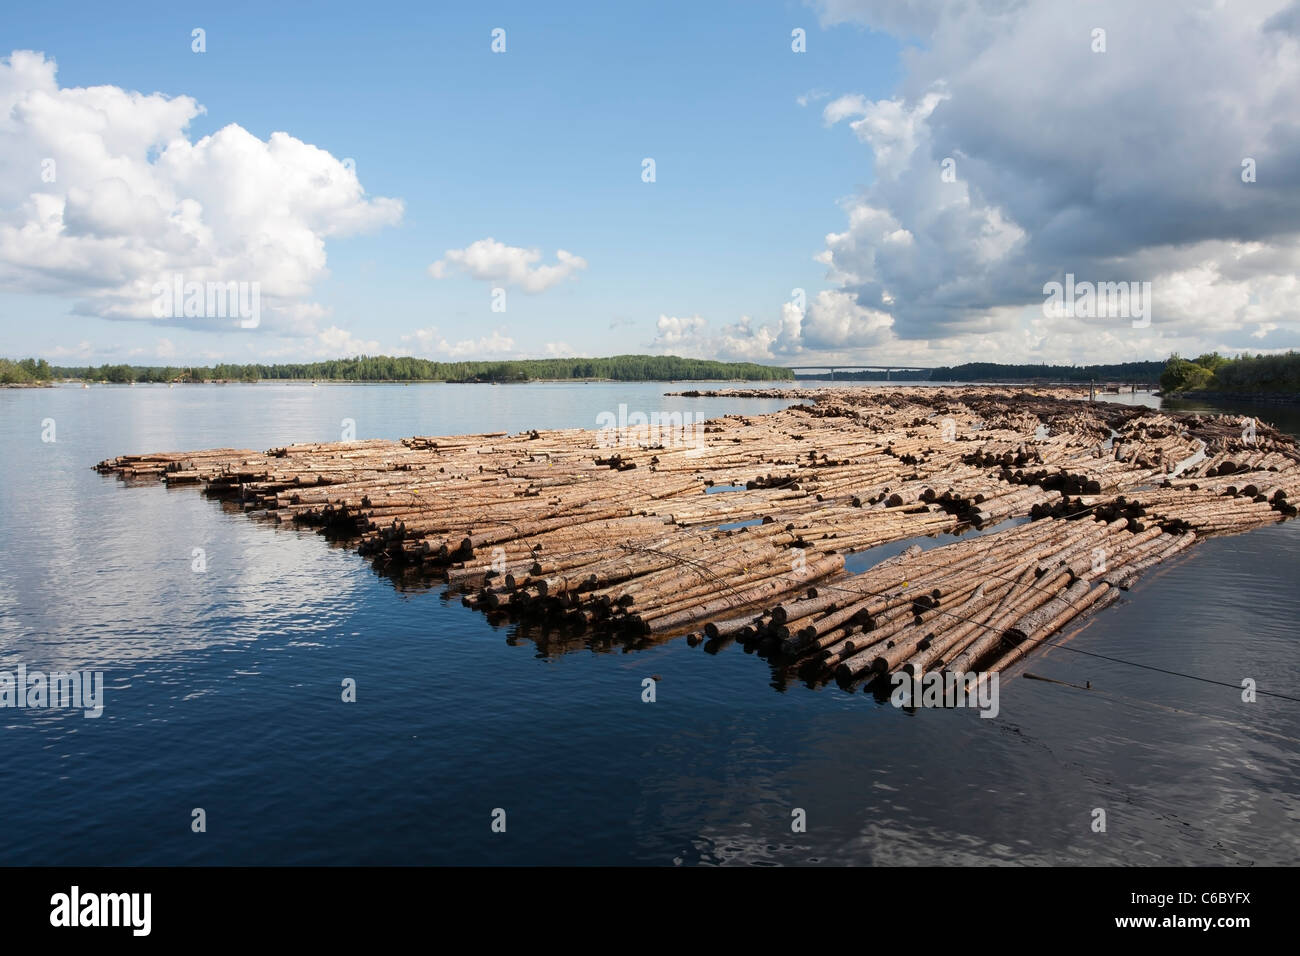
(740, 529)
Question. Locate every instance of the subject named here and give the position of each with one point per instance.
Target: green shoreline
(1264, 379)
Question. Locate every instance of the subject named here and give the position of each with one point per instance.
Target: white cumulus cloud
(431, 343)
(673, 330)
(492, 261)
(103, 195)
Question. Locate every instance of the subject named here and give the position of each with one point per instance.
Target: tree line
(1143, 373)
(1245, 374)
(388, 368)
(1209, 372)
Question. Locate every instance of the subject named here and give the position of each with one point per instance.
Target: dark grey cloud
(1122, 165)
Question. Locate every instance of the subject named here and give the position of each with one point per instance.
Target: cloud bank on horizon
(1025, 141)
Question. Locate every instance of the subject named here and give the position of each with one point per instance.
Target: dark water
(224, 689)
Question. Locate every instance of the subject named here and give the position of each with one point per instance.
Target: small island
(29, 373)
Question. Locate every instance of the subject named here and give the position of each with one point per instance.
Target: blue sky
(541, 148)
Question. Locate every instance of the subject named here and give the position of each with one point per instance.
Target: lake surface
(223, 688)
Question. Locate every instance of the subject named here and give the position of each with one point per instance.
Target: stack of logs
(739, 530)
(978, 604)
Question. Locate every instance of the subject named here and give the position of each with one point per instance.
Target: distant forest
(1212, 372)
(1144, 373)
(1246, 374)
(386, 368)
(848, 376)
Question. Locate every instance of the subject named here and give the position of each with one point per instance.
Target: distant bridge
(887, 369)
